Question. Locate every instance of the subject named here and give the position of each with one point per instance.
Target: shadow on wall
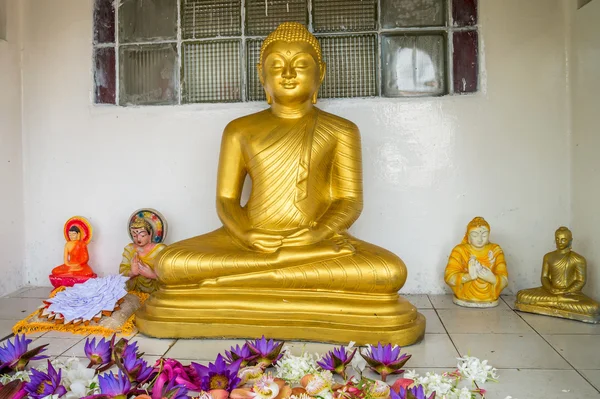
(580, 3)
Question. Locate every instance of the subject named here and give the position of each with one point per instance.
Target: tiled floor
(537, 356)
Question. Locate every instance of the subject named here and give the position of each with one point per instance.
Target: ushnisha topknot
(292, 32)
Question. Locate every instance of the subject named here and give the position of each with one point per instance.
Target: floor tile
(483, 321)
(593, 377)
(509, 300)
(17, 308)
(153, 346)
(18, 292)
(436, 350)
(582, 351)
(201, 349)
(57, 346)
(540, 384)
(554, 325)
(149, 346)
(63, 334)
(6, 328)
(420, 301)
(34, 292)
(434, 325)
(510, 350)
(445, 302)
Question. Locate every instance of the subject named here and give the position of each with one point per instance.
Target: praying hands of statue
(139, 268)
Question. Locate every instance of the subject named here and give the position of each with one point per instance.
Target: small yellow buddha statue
(139, 256)
(563, 277)
(283, 265)
(476, 269)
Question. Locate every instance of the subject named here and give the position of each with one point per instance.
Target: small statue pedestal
(69, 281)
(471, 304)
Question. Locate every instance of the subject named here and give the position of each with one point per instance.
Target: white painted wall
(12, 232)
(586, 140)
(430, 165)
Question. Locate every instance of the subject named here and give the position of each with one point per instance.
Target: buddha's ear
(322, 73)
(260, 75)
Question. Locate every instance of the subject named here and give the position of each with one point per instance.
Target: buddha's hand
(261, 240)
(307, 236)
(473, 266)
(486, 275)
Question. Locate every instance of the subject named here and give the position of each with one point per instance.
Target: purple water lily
(99, 354)
(385, 360)
(15, 356)
(242, 352)
(219, 375)
(171, 390)
(133, 365)
(416, 392)
(44, 384)
(267, 352)
(337, 360)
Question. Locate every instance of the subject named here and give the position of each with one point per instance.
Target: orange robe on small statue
(76, 258)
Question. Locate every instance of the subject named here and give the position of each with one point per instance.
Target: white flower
(19, 375)
(411, 374)
(357, 362)
(292, 368)
(266, 388)
(476, 370)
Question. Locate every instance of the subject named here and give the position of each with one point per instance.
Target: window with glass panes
(152, 52)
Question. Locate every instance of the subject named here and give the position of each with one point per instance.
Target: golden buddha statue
(563, 277)
(283, 265)
(476, 269)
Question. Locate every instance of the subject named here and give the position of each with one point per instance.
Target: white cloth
(86, 300)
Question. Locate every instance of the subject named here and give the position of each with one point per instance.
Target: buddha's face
(73, 236)
(563, 240)
(141, 237)
(290, 72)
(479, 237)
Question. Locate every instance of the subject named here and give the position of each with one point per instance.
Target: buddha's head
(290, 66)
(478, 233)
(74, 233)
(563, 238)
(141, 232)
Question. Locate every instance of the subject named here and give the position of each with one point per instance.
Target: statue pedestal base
(68, 281)
(289, 315)
(472, 304)
(557, 313)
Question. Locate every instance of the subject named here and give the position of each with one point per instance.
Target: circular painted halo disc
(84, 226)
(156, 220)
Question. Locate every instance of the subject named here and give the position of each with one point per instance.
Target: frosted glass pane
(406, 13)
(147, 20)
(211, 71)
(413, 65)
(148, 74)
(105, 76)
(351, 66)
(344, 15)
(202, 18)
(104, 21)
(263, 16)
(254, 89)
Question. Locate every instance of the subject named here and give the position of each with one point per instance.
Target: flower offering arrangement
(259, 369)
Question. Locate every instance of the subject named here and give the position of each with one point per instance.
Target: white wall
(430, 165)
(586, 140)
(12, 232)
